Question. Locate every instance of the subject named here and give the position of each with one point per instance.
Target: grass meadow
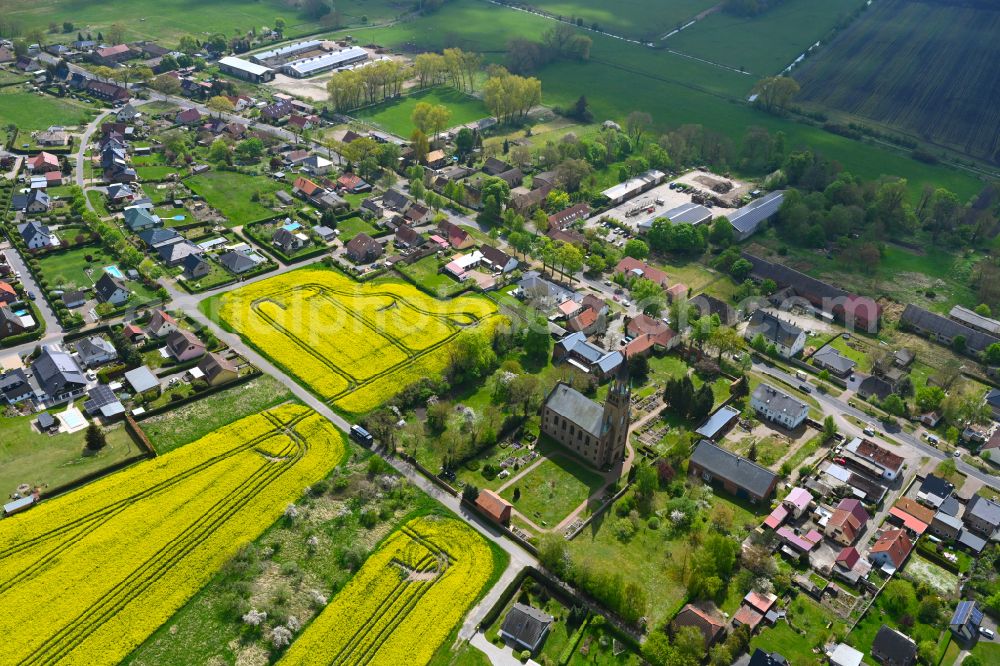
(645, 20)
(31, 111)
(230, 193)
(394, 115)
(908, 64)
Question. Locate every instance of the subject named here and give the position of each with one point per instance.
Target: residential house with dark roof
(38, 201)
(847, 522)
(498, 260)
(184, 345)
(762, 658)
(891, 549)
(101, 401)
(363, 249)
(37, 235)
(408, 237)
(525, 627)
(458, 238)
(95, 351)
(157, 238)
(238, 263)
(982, 516)
(195, 267)
(992, 401)
(709, 623)
(12, 323)
(787, 338)
(830, 359)
(708, 305)
(875, 387)
(494, 506)
(190, 116)
(576, 350)
(597, 433)
(111, 290)
(893, 648)
(59, 377)
(493, 166)
(216, 369)
(944, 330)
(15, 387)
(161, 324)
(567, 216)
(289, 242)
(739, 476)
(966, 620)
(174, 254)
(778, 407)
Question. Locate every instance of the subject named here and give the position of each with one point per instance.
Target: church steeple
(616, 417)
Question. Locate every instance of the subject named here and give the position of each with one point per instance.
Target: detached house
(739, 476)
(787, 338)
(457, 237)
(711, 626)
(184, 345)
(12, 323)
(43, 163)
(59, 377)
(37, 236)
(891, 549)
(95, 351)
(363, 249)
(499, 261)
(289, 242)
(161, 324)
(892, 648)
(847, 522)
(778, 407)
(111, 290)
(218, 370)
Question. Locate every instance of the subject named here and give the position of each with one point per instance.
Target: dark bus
(361, 436)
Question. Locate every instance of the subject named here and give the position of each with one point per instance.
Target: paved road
(53, 331)
(80, 155)
(839, 408)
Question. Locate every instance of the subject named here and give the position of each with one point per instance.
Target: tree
(470, 493)
(774, 93)
(636, 124)
(166, 85)
(250, 150)
(929, 398)
(648, 295)
(465, 141)
(636, 249)
(431, 119)
(510, 97)
(571, 173)
(722, 232)
(220, 104)
(116, 33)
(580, 110)
(94, 438)
(537, 341)
(992, 354)
(829, 428)
(420, 144)
(472, 354)
(279, 25)
(495, 196)
(219, 152)
(899, 597)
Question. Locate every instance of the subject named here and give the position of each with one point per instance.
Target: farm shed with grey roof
(945, 330)
(748, 219)
(738, 475)
(689, 213)
(829, 358)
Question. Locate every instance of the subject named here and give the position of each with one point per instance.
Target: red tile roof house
(847, 522)
(113, 54)
(913, 516)
(187, 117)
(709, 624)
(457, 237)
(494, 506)
(657, 329)
(891, 549)
(761, 603)
(586, 321)
(677, 292)
(43, 163)
(53, 178)
(641, 269)
(7, 293)
(353, 183)
(747, 616)
(306, 187)
(848, 557)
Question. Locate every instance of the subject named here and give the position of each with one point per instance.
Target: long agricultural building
(246, 70)
(325, 63)
(284, 54)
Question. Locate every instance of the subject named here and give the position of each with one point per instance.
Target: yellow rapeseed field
(402, 604)
(353, 344)
(86, 577)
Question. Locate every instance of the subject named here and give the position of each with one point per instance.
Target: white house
(778, 407)
(787, 338)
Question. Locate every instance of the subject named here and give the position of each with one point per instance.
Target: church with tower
(595, 432)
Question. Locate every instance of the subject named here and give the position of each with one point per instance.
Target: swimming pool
(179, 218)
(114, 272)
(72, 418)
(291, 226)
(22, 313)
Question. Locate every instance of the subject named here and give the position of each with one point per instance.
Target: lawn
(988, 653)
(864, 632)
(26, 456)
(230, 193)
(99, 202)
(552, 490)
(394, 116)
(352, 226)
(33, 111)
(70, 268)
(155, 172)
(195, 420)
(167, 21)
(811, 619)
(426, 276)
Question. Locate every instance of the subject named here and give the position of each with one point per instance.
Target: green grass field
(69, 268)
(230, 193)
(27, 456)
(646, 20)
(811, 619)
(352, 226)
(167, 21)
(553, 489)
(425, 274)
(767, 43)
(394, 116)
(190, 422)
(32, 111)
(879, 69)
